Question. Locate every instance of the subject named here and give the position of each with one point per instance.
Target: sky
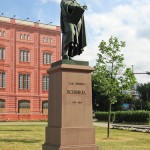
(128, 20)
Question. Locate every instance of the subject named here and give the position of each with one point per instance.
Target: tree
(144, 92)
(106, 76)
(100, 101)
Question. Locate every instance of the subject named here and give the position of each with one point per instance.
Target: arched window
(24, 106)
(2, 106)
(45, 107)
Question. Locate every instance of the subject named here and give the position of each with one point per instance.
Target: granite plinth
(70, 125)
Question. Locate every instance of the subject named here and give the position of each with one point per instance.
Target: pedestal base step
(82, 147)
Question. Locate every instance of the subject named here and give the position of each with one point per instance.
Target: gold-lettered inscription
(79, 92)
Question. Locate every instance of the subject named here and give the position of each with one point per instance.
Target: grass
(22, 137)
(31, 137)
(122, 140)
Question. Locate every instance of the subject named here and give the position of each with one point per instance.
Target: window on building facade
(28, 37)
(51, 40)
(2, 105)
(2, 53)
(25, 36)
(2, 33)
(2, 79)
(24, 55)
(45, 82)
(47, 58)
(21, 37)
(45, 107)
(24, 81)
(46, 40)
(24, 106)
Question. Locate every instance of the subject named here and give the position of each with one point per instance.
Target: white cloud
(128, 22)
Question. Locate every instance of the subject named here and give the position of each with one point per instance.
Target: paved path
(99, 124)
(95, 123)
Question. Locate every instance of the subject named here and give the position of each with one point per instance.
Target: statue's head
(68, 0)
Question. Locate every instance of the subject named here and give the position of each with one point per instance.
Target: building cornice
(36, 26)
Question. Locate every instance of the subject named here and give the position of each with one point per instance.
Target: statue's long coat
(71, 32)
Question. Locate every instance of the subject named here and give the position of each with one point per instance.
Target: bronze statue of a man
(73, 28)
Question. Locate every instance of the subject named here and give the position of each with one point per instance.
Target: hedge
(125, 116)
(103, 116)
(132, 117)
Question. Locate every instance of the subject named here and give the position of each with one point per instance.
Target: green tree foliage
(144, 92)
(99, 101)
(107, 78)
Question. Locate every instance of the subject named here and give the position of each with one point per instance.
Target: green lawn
(122, 140)
(31, 137)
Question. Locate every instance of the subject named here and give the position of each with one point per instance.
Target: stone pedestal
(70, 125)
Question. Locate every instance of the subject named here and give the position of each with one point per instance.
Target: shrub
(103, 116)
(142, 117)
(132, 117)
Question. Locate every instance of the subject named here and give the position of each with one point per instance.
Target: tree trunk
(109, 115)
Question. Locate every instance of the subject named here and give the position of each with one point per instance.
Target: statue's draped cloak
(72, 33)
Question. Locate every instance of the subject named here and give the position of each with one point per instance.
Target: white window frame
(24, 81)
(51, 40)
(24, 55)
(25, 36)
(21, 36)
(28, 37)
(47, 58)
(45, 82)
(2, 80)
(2, 33)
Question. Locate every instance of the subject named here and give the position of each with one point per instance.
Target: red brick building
(27, 50)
